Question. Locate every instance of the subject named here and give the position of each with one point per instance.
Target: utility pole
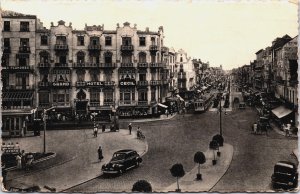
(45, 123)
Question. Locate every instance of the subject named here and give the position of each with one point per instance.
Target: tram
(203, 103)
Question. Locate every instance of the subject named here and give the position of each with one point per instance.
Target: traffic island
(211, 174)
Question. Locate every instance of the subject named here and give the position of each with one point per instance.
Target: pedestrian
(129, 128)
(19, 161)
(29, 160)
(288, 128)
(255, 128)
(95, 130)
(100, 154)
(167, 113)
(23, 159)
(103, 128)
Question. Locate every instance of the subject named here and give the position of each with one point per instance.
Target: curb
(151, 120)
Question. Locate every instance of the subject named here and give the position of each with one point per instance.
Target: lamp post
(45, 123)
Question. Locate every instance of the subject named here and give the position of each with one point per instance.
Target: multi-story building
(258, 70)
(18, 72)
(80, 71)
(173, 70)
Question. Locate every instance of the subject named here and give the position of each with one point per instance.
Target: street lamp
(220, 112)
(45, 123)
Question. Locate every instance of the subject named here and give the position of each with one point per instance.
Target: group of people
(139, 132)
(287, 128)
(24, 161)
(95, 129)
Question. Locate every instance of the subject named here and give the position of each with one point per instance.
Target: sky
(226, 33)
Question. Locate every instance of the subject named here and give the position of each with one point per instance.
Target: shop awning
(281, 111)
(179, 97)
(162, 105)
(13, 96)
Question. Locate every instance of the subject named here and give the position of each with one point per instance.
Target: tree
(177, 171)
(219, 138)
(142, 186)
(199, 158)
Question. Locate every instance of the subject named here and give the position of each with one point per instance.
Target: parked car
(285, 175)
(122, 161)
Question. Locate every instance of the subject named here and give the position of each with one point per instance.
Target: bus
(203, 103)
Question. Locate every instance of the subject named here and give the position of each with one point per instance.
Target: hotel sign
(96, 83)
(61, 84)
(127, 83)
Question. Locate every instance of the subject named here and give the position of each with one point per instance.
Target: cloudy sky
(221, 32)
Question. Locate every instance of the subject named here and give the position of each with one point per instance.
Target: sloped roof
(8, 13)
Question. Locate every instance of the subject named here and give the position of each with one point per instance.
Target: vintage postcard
(149, 96)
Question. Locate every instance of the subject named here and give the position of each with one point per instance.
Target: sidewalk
(84, 164)
(210, 174)
(162, 117)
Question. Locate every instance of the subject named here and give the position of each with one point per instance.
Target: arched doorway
(81, 102)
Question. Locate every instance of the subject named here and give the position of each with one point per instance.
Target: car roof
(286, 163)
(125, 151)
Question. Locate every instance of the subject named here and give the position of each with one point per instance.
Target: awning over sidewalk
(162, 105)
(179, 97)
(281, 111)
(13, 96)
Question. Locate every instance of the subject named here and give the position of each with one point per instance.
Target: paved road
(177, 140)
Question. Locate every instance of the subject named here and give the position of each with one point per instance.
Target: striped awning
(13, 96)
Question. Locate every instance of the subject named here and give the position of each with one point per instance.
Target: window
(94, 59)
(94, 41)
(108, 96)
(44, 40)
(142, 41)
(6, 42)
(107, 41)
(24, 42)
(142, 77)
(142, 57)
(5, 60)
(61, 40)
(152, 41)
(80, 76)
(44, 57)
(61, 97)
(80, 40)
(44, 97)
(22, 81)
(6, 26)
(23, 60)
(153, 94)
(62, 59)
(95, 96)
(80, 57)
(61, 75)
(108, 76)
(143, 95)
(153, 57)
(181, 59)
(126, 41)
(108, 57)
(24, 26)
(126, 59)
(94, 77)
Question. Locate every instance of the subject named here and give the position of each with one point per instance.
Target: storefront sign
(61, 84)
(95, 83)
(18, 67)
(127, 83)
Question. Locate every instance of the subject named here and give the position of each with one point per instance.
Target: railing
(127, 103)
(20, 87)
(16, 107)
(94, 104)
(44, 105)
(143, 65)
(59, 47)
(142, 83)
(108, 103)
(126, 64)
(153, 48)
(156, 65)
(43, 84)
(92, 65)
(78, 65)
(155, 82)
(24, 49)
(94, 47)
(43, 65)
(18, 68)
(61, 65)
(127, 47)
(142, 103)
(107, 65)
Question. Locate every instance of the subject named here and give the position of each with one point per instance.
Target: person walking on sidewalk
(95, 130)
(23, 159)
(129, 128)
(100, 154)
(19, 161)
(103, 128)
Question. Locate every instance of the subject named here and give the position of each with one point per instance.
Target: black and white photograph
(162, 96)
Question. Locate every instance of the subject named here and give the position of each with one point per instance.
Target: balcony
(61, 65)
(156, 65)
(94, 104)
(126, 64)
(142, 65)
(61, 47)
(24, 49)
(94, 47)
(142, 103)
(142, 83)
(153, 48)
(127, 48)
(92, 65)
(6, 49)
(108, 103)
(80, 84)
(155, 82)
(181, 76)
(78, 65)
(164, 49)
(44, 65)
(127, 103)
(42, 84)
(107, 65)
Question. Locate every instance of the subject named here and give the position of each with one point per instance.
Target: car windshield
(118, 156)
(283, 169)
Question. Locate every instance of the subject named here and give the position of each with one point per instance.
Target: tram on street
(203, 103)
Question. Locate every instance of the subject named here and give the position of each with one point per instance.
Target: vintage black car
(122, 161)
(285, 175)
